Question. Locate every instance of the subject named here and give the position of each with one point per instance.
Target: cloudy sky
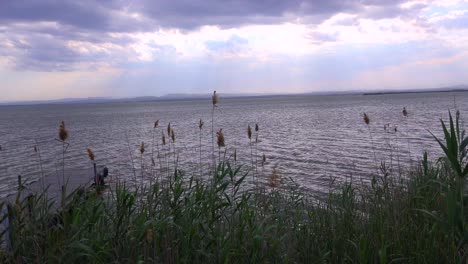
(52, 49)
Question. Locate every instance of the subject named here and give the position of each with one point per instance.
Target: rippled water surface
(309, 138)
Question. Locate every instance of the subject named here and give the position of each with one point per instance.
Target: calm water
(311, 138)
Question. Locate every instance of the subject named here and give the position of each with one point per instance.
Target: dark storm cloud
(36, 33)
(192, 14)
(112, 15)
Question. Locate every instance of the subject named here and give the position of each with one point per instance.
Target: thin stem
(373, 149)
(251, 159)
(131, 158)
(212, 137)
(201, 173)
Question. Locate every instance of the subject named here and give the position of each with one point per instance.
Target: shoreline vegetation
(222, 213)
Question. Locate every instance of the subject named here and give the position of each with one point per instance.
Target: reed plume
(169, 129)
(172, 135)
(156, 124)
(405, 113)
(220, 142)
(275, 179)
(366, 119)
(214, 99)
(256, 128)
(249, 132)
(220, 138)
(90, 154)
(63, 132)
(142, 148)
(200, 124)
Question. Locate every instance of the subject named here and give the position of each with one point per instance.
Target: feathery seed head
(249, 132)
(274, 179)
(405, 113)
(149, 235)
(156, 124)
(366, 119)
(90, 154)
(63, 132)
(169, 129)
(220, 137)
(200, 124)
(35, 148)
(142, 148)
(256, 127)
(235, 154)
(263, 159)
(172, 135)
(214, 99)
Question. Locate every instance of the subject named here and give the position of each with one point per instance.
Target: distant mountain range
(184, 96)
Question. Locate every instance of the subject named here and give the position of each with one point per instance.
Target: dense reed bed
(180, 217)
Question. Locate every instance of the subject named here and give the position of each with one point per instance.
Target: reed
(366, 120)
(39, 161)
(62, 137)
(142, 152)
(405, 118)
(200, 127)
(220, 142)
(249, 136)
(92, 157)
(214, 103)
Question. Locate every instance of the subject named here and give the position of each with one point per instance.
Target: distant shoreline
(413, 92)
(185, 97)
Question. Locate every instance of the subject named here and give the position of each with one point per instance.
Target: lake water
(308, 138)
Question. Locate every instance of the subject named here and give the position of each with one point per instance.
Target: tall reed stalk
(39, 160)
(130, 152)
(214, 103)
(367, 122)
(256, 147)
(63, 136)
(200, 127)
(405, 116)
(249, 136)
(142, 167)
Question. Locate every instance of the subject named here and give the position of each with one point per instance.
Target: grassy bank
(419, 219)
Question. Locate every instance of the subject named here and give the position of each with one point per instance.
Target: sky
(52, 49)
